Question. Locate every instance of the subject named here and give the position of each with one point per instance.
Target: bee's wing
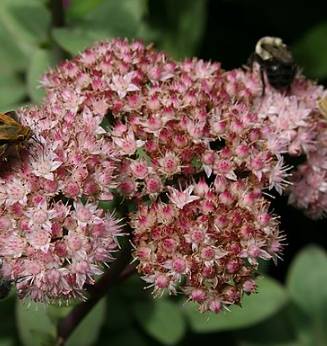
(9, 132)
(280, 53)
(8, 118)
(13, 115)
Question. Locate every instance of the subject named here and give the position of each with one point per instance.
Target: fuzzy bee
(5, 288)
(7, 284)
(276, 63)
(12, 133)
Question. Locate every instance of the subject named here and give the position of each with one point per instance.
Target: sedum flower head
(54, 234)
(208, 246)
(296, 127)
(196, 148)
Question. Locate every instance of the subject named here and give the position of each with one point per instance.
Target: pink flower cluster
(294, 125)
(192, 146)
(207, 241)
(53, 234)
(197, 146)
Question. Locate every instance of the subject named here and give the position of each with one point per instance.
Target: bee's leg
(18, 153)
(262, 76)
(251, 61)
(21, 279)
(3, 149)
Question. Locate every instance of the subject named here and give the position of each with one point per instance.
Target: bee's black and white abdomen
(280, 76)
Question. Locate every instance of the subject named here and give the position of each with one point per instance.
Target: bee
(5, 288)
(7, 284)
(12, 133)
(275, 61)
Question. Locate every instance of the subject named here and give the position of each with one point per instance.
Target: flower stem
(57, 21)
(98, 291)
(127, 272)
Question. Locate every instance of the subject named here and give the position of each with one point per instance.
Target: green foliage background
(291, 308)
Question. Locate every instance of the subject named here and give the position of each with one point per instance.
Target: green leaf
(108, 206)
(190, 27)
(41, 60)
(6, 3)
(294, 343)
(36, 324)
(12, 58)
(270, 298)
(76, 39)
(109, 19)
(116, 18)
(308, 331)
(7, 317)
(133, 289)
(27, 22)
(307, 281)
(80, 8)
(148, 33)
(33, 323)
(264, 266)
(118, 311)
(162, 320)
(310, 51)
(178, 26)
(275, 329)
(197, 163)
(7, 342)
(12, 90)
(128, 337)
(88, 331)
(15, 106)
(140, 153)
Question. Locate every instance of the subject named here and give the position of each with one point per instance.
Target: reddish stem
(114, 274)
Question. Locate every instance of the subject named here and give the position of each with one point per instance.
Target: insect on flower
(12, 133)
(6, 285)
(276, 61)
(322, 104)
